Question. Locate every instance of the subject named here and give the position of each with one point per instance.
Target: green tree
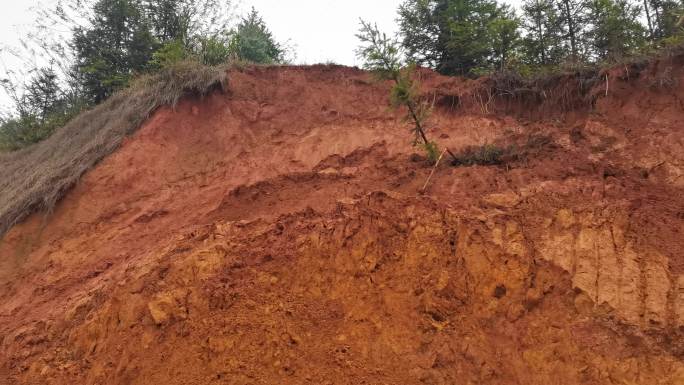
(187, 20)
(43, 96)
(665, 17)
(457, 37)
(505, 37)
(573, 17)
(42, 107)
(197, 29)
(382, 55)
(117, 43)
(542, 44)
(615, 30)
(169, 20)
(111, 41)
(420, 32)
(253, 41)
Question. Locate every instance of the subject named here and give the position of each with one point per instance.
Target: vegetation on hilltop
(110, 42)
(475, 37)
(114, 41)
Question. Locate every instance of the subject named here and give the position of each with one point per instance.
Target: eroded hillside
(277, 232)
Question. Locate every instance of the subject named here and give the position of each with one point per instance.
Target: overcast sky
(318, 30)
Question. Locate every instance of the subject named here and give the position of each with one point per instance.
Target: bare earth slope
(276, 234)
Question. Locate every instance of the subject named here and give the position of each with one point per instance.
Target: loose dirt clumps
(277, 233)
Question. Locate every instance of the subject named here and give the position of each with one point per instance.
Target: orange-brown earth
(276, 233)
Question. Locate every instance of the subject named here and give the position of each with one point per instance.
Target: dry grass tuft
(36, 177)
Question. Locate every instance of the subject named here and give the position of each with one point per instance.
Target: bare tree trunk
(648, 20)
(419, 127)
(541, 39)
(571, 30)
(416, 120)
(657, 22)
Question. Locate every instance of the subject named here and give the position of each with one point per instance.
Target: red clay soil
(277, 234)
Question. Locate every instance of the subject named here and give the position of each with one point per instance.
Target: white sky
(324, 30)
(318, 30)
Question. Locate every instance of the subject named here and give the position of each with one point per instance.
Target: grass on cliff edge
(36, 177)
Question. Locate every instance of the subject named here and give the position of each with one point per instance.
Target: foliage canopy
(112, 42)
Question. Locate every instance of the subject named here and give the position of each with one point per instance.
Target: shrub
(16, 133)
(23, 131)
(494, 155)
(213, 50)
(169, 54)
(485, 155)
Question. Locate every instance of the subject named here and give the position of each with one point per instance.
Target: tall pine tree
(117, 43)
(505, 37)
(43, 96)
(169, 19)
(665, 17)
(461, 37)
(614, 30)
(542, 43)
(253, 41)
(573, 17)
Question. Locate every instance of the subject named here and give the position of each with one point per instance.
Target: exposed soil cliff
(276, 233)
